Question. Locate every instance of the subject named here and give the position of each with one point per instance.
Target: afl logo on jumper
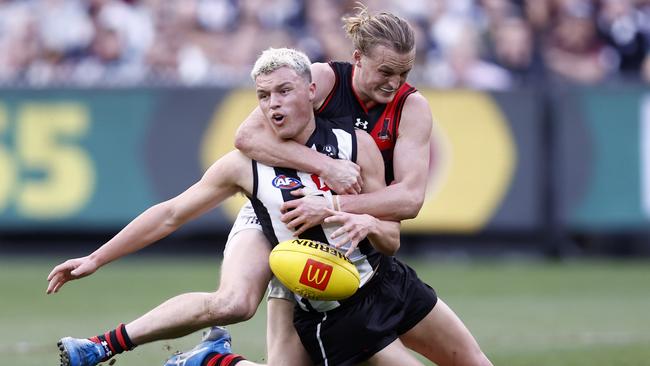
(284, 182)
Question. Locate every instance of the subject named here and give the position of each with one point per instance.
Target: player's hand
(71, 269)
(304, 213)
(343, 177)
(354, 228)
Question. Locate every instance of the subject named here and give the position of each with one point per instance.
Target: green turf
(522, 312)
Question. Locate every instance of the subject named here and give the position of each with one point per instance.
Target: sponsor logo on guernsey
(284, 182)
(361, 124)
(316, 274)
(322, 247)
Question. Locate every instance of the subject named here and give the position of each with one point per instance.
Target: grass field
(522, 312)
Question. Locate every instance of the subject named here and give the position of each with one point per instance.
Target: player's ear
(312, 91)
(356, 56)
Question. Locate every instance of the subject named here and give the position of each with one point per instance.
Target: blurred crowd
(482, 44)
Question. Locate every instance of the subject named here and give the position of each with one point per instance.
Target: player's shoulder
(231, 163)
(416, 106)
(322, 74)
(234, 169)
(324, 77)
(319, 69)
(364, 140)
(237, 157)
(417, 116)
(416, 100)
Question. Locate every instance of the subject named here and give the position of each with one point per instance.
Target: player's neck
(306, 132)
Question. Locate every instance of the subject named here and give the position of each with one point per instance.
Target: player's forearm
(152, 225)
(384, 236)
(258, 142)
(287, 154)
(395, 202)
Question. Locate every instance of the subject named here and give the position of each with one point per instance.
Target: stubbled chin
(384, 97)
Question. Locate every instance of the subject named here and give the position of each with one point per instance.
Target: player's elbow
(410, 206)
(388, 243)
(243, 141)
(170, 217)
(393, 248)
(415, 207)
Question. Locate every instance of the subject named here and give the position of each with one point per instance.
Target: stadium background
(536, 223)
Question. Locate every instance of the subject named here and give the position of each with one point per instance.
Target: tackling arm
(404, 197)
(384, 235)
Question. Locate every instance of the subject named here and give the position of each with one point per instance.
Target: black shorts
(393, 302)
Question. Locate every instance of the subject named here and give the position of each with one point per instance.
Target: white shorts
(278, 291)
(246, 219)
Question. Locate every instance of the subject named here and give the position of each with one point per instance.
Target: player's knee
(245, 309)
(231, 307)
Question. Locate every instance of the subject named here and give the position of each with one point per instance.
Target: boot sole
(63, 354)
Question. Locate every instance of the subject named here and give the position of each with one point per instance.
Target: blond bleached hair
(272, 59)
(369, 30)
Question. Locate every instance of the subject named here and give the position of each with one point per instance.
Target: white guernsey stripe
(344, 140)
(320, 341)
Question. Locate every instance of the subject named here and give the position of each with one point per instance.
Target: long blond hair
(369, 30)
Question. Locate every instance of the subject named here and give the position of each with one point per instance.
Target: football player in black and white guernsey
(285, 93)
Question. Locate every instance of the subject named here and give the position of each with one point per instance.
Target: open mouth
(277, 117)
